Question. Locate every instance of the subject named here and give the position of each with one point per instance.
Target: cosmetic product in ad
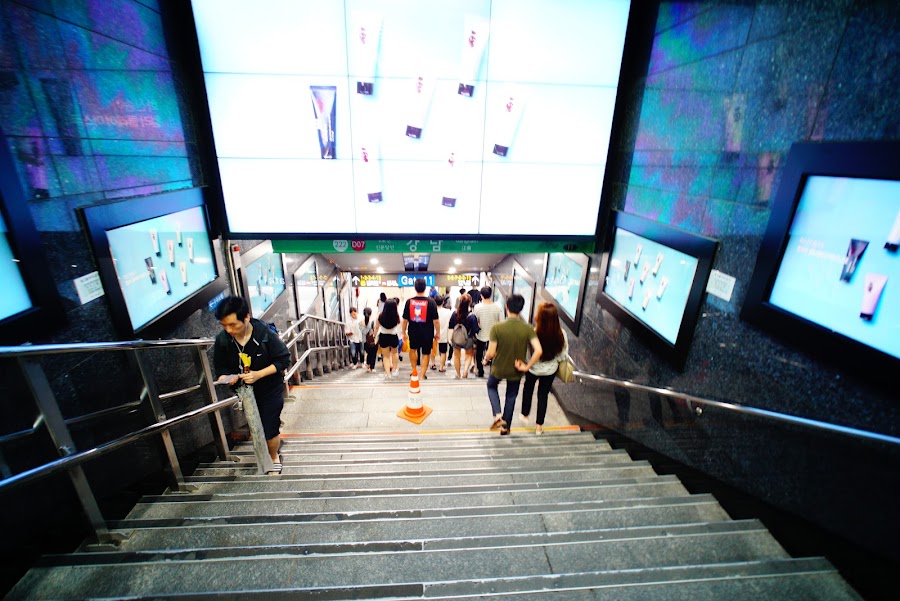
(451, 177)
(366, 35)
(370, 171)
(631, 289)
(872, 289)
(854, 254)
(323, 99)
(659, 260)
(422, 91)
(627, 269)
(475, 36)
(183, 267)
(190, 244)
(178, 239)
(644, 272)
(507, 122)
(170, 249)
(150, 269)
(154, 240)
(648, 294)
(637, 254)
(893, 239)
(662, 286)
(164, 279)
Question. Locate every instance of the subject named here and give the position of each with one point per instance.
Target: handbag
(565, 371)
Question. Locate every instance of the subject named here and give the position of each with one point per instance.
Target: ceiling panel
(393, 262)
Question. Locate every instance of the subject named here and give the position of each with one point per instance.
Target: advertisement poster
(841, 265)
(409, 116)
(563, 281)
(15, 296)
(161, 261)
(526, 289)
(265, 280)
(651, 281)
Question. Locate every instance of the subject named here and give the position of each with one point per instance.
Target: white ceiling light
(457, 261)
(373, 261)
(451, 270)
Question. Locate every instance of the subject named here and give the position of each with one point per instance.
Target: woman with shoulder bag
(367, 330)
(556, 348)
(464, 317)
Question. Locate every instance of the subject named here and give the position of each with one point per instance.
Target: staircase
(462, 516)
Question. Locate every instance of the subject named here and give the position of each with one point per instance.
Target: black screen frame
(572, 321)
(46, 312)
(99, 219)
(856, 159)
(304, 268)
(520, 271)
(700, 247)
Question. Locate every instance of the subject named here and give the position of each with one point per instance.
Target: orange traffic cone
(414, 410)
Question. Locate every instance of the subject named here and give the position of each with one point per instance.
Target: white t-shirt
(444, 316)
(352, 326)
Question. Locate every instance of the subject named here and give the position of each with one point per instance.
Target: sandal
(276, 470)
(504, 431)
(498, 423)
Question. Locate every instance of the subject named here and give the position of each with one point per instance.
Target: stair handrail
(325, 338)
(50, 417)
(738, 408)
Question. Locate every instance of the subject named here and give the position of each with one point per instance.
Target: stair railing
(697, 405)
(317, 345)
(27, 359)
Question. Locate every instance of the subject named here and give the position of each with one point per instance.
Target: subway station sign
(431, 246)
(407, 280)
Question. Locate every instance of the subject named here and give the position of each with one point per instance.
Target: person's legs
(273, 445)
(509, 407)
(470, 360)
(426, 361)
(544, 384)
(395, 360)
(442, 364)
(371, 352)
(386, 359)
(354, 354)
(480, 348)
(456, 357)
(494, 395)
(413, 356)
(527, 393)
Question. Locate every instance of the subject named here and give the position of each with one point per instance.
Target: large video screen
(827, 273)
(654, 278)
(156, 260)
(265, 280)
(523, 284)
(404, 116)
(161, 261)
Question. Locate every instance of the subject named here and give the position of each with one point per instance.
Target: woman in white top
(354, 335)
(444, 313)
(555, 346)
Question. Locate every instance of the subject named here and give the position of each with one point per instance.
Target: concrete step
(237, 484)
(147, 535)
(418, 562)
(437, 441)
(286, 502)
(293, 467)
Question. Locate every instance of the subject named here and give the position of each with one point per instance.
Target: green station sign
(432, 246)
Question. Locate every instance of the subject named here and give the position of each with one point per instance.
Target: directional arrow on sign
(355, 280)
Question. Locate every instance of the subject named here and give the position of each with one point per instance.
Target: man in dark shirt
(247, 350)
(421, 325)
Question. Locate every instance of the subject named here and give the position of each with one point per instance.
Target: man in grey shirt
(488, 313)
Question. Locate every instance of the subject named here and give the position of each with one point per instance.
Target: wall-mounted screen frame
(827, 277)
(523, 283)
(30, 305)
(306, 286)
(332, 296)
(156, 260)
(263, 278)
(564, 284)
(653, 280)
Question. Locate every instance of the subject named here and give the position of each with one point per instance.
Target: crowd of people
(475, 335)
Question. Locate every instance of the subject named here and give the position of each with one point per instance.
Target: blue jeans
(512, 391)
(356, 352)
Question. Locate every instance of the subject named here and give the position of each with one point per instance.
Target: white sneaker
(523, 419)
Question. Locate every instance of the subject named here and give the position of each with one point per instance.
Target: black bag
(370, 337)
(460, 335)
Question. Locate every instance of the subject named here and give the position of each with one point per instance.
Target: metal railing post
(151, 392)
(65, 446)
(209, 394)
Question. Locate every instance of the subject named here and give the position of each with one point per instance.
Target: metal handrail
(742, 409)
(90, 347)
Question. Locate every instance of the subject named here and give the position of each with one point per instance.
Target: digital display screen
(160, 262)
(306, 283)
(522, 286)
(265, 281)
(841, 266)
(15, 298)
(407, 116)
(651, 281)
(563, 282)
(332, 302)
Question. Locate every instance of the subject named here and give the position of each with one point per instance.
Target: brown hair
(463, 310)
(549, 332)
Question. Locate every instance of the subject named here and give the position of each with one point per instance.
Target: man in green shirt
(508, 349)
